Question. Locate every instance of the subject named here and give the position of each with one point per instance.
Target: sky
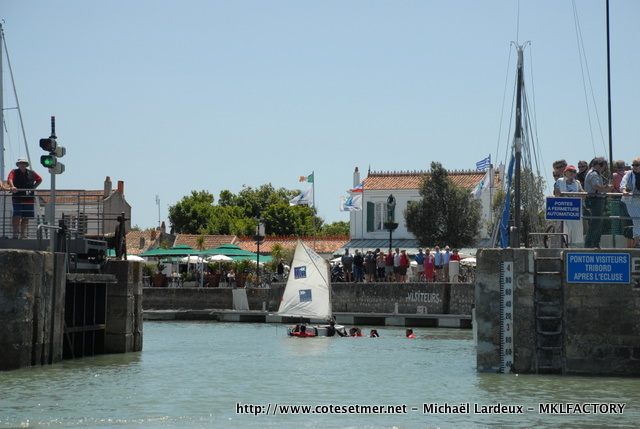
(175, 96)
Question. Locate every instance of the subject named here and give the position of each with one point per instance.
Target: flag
(351, 204)
(484, 184)
(304, 198)
(308, 178)
(483, 164)
(357, 188)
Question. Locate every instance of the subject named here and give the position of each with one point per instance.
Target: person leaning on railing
(568, 183)
(596, 199)
(630, 187)
(22, 181)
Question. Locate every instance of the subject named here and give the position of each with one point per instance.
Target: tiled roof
(135, 238)
(413, 179)
(323, 244)
(210, 241)
(75, 196)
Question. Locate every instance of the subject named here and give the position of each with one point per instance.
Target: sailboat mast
(515, 231)
(1, 103)
(611, 164)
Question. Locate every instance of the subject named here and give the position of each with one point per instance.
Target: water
(193, 374)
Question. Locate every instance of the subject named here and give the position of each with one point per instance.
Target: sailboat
(308, 294)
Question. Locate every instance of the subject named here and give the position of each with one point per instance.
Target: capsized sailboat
(308, 294)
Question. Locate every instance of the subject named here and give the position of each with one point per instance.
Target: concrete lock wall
(31, 308)
(598, 324)
(124, 331)
(412, 298)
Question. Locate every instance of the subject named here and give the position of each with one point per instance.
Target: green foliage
(336, 228)
(148, 269)
(237, 214)
(192, 214)
(245, 266)
(446, 215)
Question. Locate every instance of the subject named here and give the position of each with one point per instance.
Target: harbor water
(212, 374)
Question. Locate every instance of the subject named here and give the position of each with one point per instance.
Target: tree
(447, 214)
(237, 214)
(337, 228)
(192, 214)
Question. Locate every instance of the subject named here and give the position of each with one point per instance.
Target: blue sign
(305, 295)
(300, 272)
(559, 208)
(598, 267)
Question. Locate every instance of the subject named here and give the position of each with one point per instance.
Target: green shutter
(371, 216)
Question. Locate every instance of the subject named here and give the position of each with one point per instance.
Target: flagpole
(313, 184)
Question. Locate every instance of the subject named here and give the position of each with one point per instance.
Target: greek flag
(483, 164)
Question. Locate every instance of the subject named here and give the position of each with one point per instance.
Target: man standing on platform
(420, 261)
(347, 265)
(22, 182)
(596, 199)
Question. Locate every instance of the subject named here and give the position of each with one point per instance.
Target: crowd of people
(589, 180)
(378, 266)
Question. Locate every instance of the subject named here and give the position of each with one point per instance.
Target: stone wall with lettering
(411, 298)
(487, 297)
(602, 315)
(600, 290)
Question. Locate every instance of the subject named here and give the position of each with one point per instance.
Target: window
(377, 215)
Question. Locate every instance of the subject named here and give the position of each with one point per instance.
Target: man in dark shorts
(21, 182)
(347, 265)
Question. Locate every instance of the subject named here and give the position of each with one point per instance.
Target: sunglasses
(635, 165)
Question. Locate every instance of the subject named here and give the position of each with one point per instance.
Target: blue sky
(174, 96)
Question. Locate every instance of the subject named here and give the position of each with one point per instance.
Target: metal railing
(82, 211)
(615, 216)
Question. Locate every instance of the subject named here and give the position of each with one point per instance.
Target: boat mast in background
(1, 104)
(5, 52)
(514, 233)
(611, 163)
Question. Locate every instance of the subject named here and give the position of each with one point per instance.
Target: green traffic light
(48, 161)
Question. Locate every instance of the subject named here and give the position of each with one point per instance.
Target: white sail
(308, 290)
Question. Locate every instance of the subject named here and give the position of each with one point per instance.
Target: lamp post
(390, 224)
(259, 239)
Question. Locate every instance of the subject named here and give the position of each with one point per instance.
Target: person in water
(374, 333)
(332, 331)
(410, 333)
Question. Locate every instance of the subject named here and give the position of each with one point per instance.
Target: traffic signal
(55, 151)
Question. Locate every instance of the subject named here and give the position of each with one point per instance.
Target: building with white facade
(367, 226)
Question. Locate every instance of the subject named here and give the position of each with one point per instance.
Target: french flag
(357, 188)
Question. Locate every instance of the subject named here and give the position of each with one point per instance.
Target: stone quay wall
(599, 323)
(124, 308)
(31, 308)
(412, 298)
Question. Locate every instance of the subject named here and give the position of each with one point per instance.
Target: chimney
(163, 228)
(107, 187)
(356, 178)
(121, 187)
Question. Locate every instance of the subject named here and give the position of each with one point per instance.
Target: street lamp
(390, 224)
(259, 239)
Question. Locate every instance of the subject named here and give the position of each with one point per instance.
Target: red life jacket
(303, 334)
